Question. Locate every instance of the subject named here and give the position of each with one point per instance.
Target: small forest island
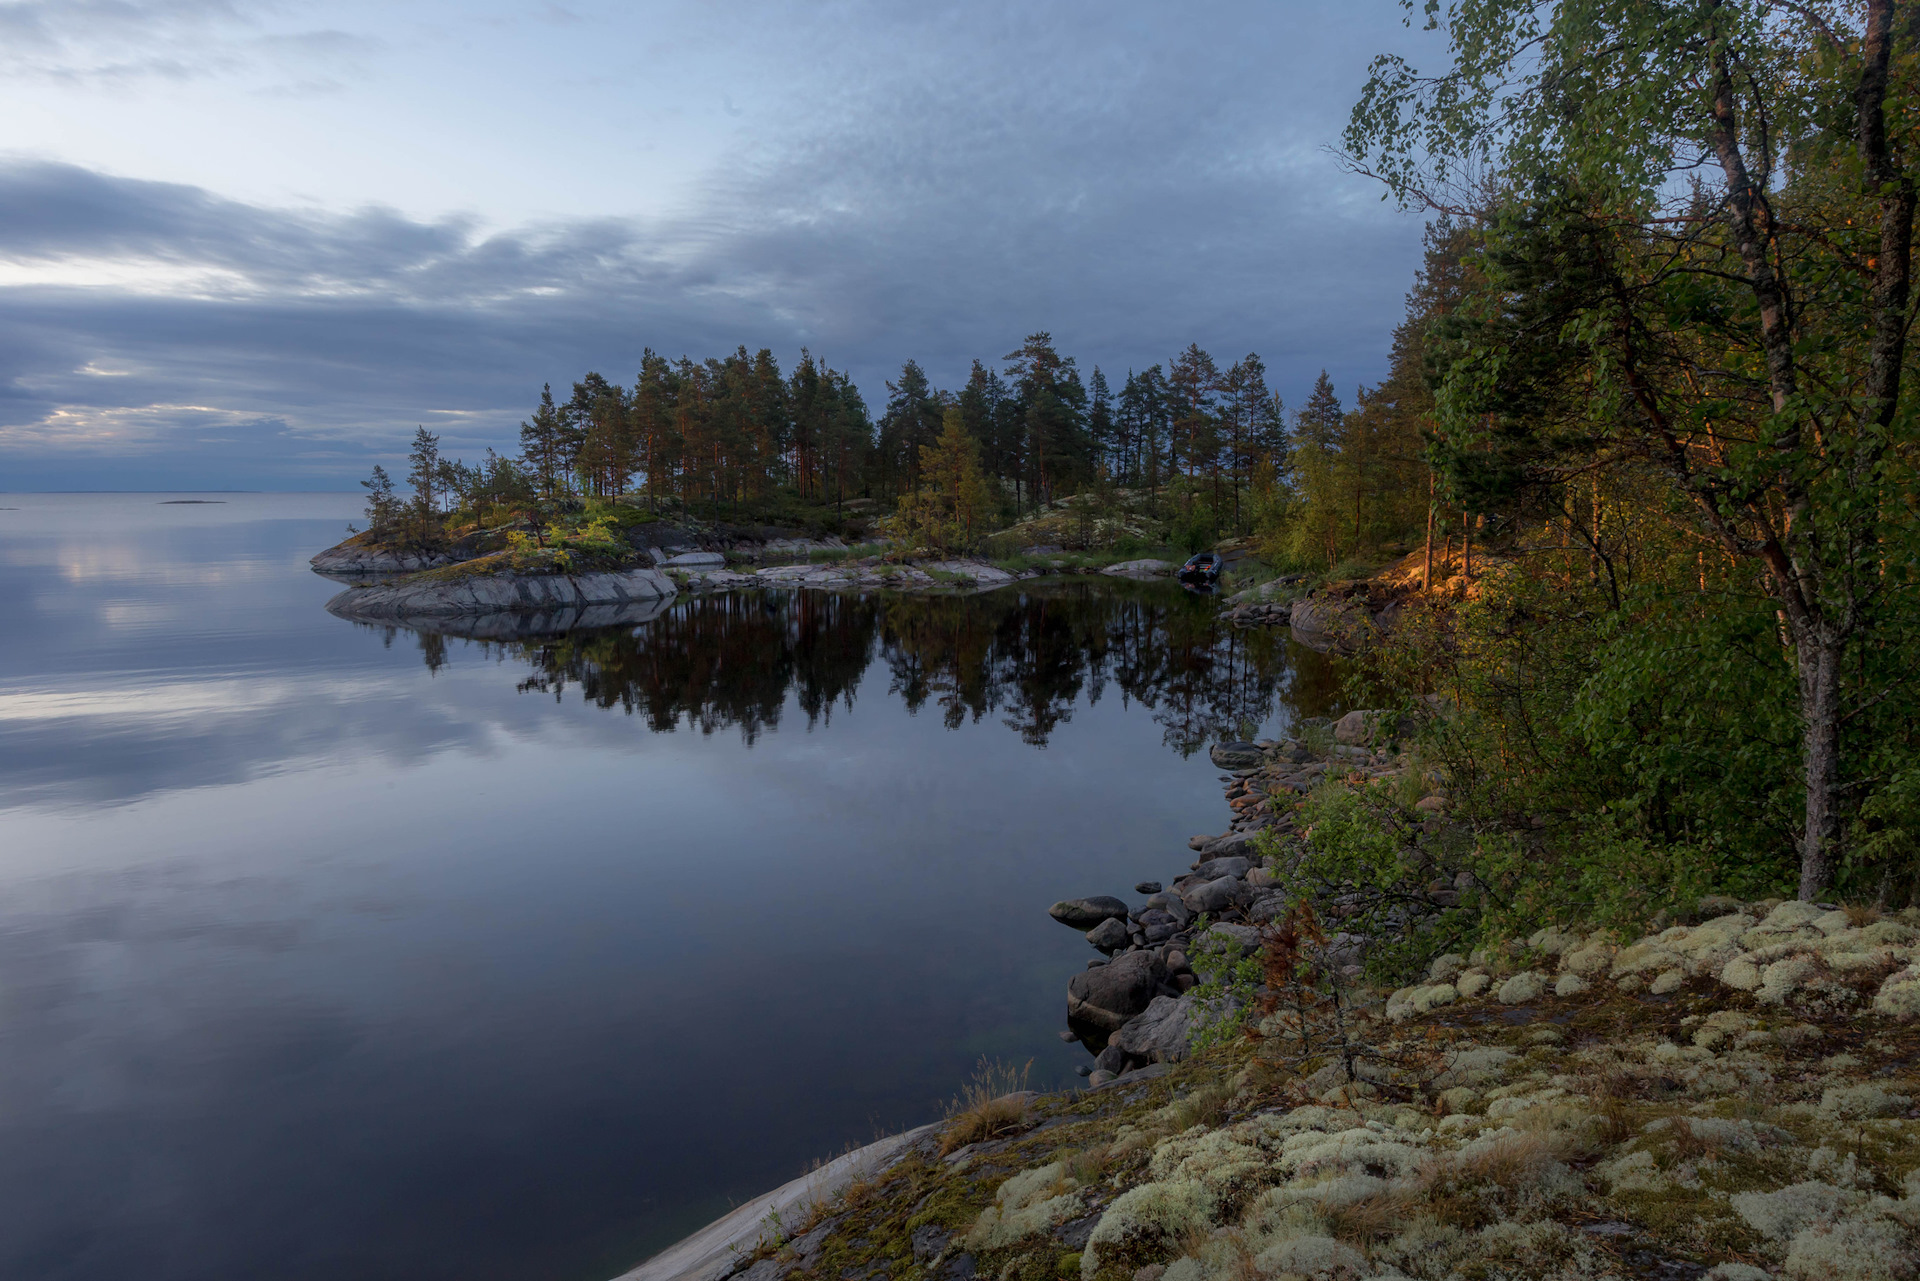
(1590, 947)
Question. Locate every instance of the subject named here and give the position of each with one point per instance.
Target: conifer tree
(383, 509)
(423, 473)
(1319, 422)
(1100, 424)
(541, 451)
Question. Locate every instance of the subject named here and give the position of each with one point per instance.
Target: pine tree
(912, 420)
(1051, 409)
(1320, 421)
(541, 452)
(1100, 424)
(383, 509)
(423, 473)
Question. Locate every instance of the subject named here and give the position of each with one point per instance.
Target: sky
(252, 245)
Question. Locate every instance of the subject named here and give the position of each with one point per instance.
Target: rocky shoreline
(1136, 1004)
(390, 585)
(457, 592)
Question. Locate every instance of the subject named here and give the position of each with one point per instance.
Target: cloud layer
(1149, 185)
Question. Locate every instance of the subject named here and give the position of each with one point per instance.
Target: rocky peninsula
(472, 577)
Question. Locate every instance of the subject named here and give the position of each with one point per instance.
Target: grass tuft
(993, 1103)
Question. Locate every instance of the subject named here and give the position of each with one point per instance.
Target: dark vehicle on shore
(1203, 569)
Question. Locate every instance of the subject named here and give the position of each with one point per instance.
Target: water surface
(328, 950)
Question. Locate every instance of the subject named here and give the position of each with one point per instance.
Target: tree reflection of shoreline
(712, 662)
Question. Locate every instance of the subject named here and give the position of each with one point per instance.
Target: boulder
(1158, 926)
(1234, 939)
(1172, 904)
(1085, 913)
(978, 572)
(1269, 907)
(1237, 756)
(1160, 1034)
(1110, 935)
(1231, 845)
(1108, 997)
(1364, 729)
(695, 560)
(1215, 896)
(1141, 569)
(1529, 985)
(1214, 868)
(1332, 624)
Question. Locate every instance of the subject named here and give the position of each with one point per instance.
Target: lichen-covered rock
(1553, 942)
(1861, 1103)
(1721, 1027)
(1144, 1221)
(1667, 981)
(1411, 1001)
(1473, 983)
(1571, 985)
(1865, 1248)
(1900, 994)
(1783, 978)
(1590, 960)
(1528, 985)
(1741, 974)
(1315, 1257)
(1447, 968)
(1026, 1205)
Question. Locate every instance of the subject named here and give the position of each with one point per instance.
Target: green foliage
(1229, 984)
(1655, 297)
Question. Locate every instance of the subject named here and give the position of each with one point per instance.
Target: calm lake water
(329, 951)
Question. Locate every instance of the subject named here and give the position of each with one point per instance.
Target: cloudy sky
(251, 245)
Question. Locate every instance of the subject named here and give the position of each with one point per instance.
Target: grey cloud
(1160, 189)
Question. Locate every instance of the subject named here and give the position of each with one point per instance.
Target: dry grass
(1860, 915)
(1464, 1191)
(1370, 1220)
(993, 1103)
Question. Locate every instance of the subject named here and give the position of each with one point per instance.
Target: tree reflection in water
(1028, 656)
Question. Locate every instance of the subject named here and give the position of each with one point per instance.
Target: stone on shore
(1160, 1033)
(1237, 756)
(1108, 997)
(1215, 868)
(1215, 896)
(1364, 729)
(1141, 569)
(979, 572)
(1110, 935)
(1331, 624)
(1085, 913)
(1231, 845)
(694, 560)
